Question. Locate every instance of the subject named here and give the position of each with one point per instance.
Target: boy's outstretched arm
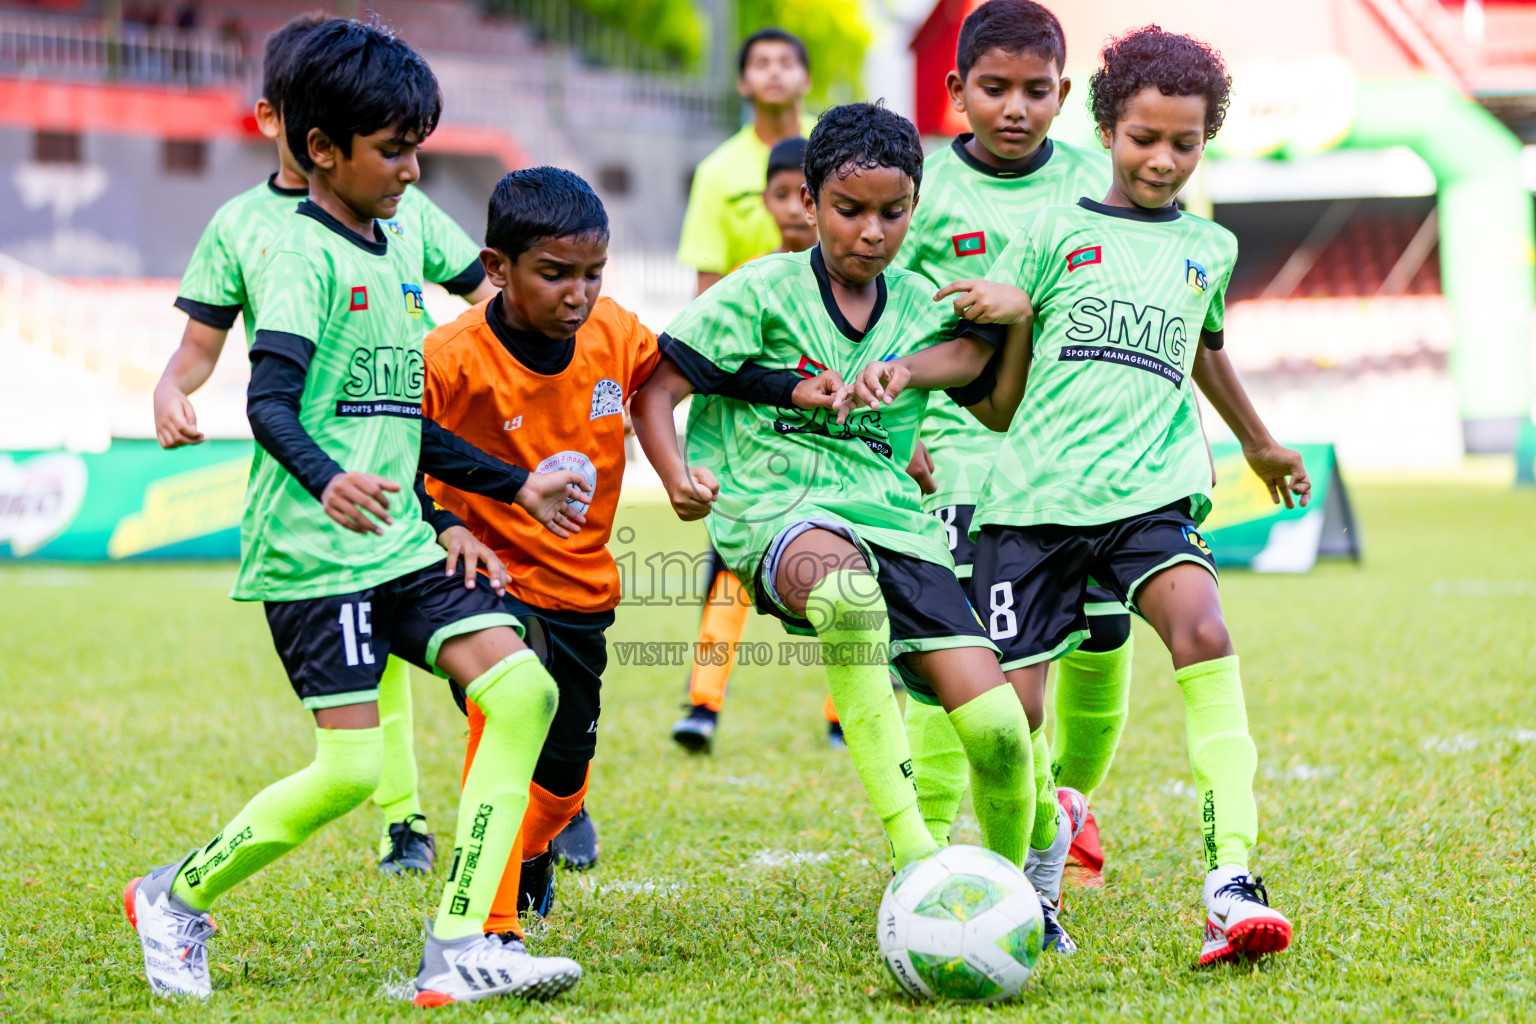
(447, 457)
(188, 369)
(691, 491)
(1279, 467)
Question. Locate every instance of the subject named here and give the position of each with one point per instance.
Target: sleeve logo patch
(359, 299)
(809, 367)
(973, 244)
(1194, 276)
(607, 399)
(413, 305)
(1084, 257)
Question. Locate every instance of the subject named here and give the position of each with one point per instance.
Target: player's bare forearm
(1217, 380)
(651, 410)
(192, 363)
(705, 279)
(995, 412)
(948, 364)
(484, 290)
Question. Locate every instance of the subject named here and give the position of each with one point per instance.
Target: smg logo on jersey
(385, 380)
(1144, 337)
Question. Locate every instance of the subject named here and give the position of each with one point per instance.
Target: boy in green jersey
(978, 191)
(219, 284)
(337, 379)
(1104, 472)
(814, 512)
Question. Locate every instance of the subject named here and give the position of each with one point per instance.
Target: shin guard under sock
(397, 794)
(994, 733)
(1093, 692)
(1223, 759)
(939, 767)
(1043, 832)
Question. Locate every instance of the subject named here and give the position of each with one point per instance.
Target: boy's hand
(545, 497)
(175, 419)
(921, 469)
(1282, 471)
(822, 391)
(693, 494)
(349, 495)
(877, 384)
(988, 302)
(459, 542)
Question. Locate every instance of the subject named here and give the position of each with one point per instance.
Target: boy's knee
(1034, 710)
(1204, 640)
(352, 774)
(532, 694)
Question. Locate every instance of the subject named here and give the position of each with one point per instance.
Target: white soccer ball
(963, 924)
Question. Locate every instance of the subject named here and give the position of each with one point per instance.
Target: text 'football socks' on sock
(939, 767)
(343, 775)
(994, 733)
(840, 608)
(518, 699)
(397, 795)
(1043, 831)
(725, 618)
(1093, 698)
(1223, 759)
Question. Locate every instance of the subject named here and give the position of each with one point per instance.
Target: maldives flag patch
(809, 367)
(359, 299)
(1084, 257)
(973, 244)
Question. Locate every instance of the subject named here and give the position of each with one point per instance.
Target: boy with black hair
(343, 583)
(1104, 471)
(219, 286)
(539, 376)
(814, 512)
(1008, 81)
(726, 223)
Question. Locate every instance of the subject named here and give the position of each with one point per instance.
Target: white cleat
(481, 966)
(1044, 868)
(174, 937)
(1238, 917)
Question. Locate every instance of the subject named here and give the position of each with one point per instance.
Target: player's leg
(726, 609)
(333, 659)
(407, 845)
(820, 577)
(1168, 570)
(1092, 700)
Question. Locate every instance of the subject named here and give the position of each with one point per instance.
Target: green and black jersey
(220, 278)
(1109, 426)
(779, 466)
(349, 310)
(967, 214)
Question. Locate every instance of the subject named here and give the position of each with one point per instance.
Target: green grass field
(1393, 703)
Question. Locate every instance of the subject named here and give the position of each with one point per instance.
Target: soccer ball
(962, 924)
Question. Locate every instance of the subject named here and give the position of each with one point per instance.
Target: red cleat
(1085, 860)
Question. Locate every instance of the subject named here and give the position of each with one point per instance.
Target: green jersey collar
(377, 247)
(828, 300)
(1037, 160)
(1158, 215)
(278, 190)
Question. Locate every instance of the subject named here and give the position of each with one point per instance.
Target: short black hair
(278, 56)
(1013, 26)
(355, 79)
(542, 202)
(861, 136)
(787, 155)
(1174, 65)
(770, 35)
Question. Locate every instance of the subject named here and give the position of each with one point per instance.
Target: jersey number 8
(1002, 623)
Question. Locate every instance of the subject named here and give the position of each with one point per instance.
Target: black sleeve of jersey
(995, 335)
(466, 280)
(439, 518)
(272, 406)
(295, 348)
(1213, 340)
(705, 376)
(969, 394)
(218, 317)
(761, 386)
(448, 457)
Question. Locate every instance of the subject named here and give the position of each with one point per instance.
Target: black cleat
(409, 851)
(835, 738)
(696, 731)
(576, 847)
(536, 885)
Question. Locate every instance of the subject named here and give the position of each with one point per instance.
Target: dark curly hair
(861, 136)
(1014, 26)
(1175, 65)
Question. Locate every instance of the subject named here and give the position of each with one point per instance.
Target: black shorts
(333, 648)
(1108, 620)
(574, 649)
(1032, 581)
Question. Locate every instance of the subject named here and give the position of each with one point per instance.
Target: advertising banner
(131, 501)
(1246, 530)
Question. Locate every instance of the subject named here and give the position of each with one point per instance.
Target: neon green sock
(1223, 759)
(518, 698)
(939, 767)
(1044, 832)
(993, 730)
(839, 607)
(340, 778)
(1093, 698)
(396, 795)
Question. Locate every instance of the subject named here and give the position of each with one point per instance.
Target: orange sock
(725, 619)
(503, 916)
(828, 709)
